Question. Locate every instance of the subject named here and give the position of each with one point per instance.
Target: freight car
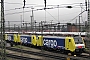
(63, 44)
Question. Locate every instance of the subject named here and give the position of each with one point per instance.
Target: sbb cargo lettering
(9, 38)
(24, 40)
(51, 43)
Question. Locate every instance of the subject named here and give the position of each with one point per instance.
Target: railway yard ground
(28, 53)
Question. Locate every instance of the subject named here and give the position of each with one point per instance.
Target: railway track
(19, 57)
(85, 56)
(36, 53)
(82, 56)
(55, 56)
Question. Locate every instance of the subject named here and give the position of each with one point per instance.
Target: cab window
(78, 40)
(69, 40)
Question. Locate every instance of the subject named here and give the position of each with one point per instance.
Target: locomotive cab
(79, 44)
(69, 44)
(75, 45)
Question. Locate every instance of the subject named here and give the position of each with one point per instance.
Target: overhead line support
(3, 48)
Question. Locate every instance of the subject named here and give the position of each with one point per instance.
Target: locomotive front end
(79, 44)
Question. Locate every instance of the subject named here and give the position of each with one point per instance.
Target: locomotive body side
(54, 42)
(25, 39)
(9, 37)
(67, 44)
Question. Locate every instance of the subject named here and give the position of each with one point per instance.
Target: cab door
(34, 40)
(40, 41)
(67, 43)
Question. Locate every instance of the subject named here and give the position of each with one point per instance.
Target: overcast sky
(63, 14)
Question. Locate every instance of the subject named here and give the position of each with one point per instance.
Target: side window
(38, 38)
(33, 37)
(69, 40)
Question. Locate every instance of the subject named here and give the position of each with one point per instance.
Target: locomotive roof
(54, 37)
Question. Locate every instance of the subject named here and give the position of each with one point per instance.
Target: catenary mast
(2, 44)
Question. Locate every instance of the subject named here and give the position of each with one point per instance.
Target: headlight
(79, 47)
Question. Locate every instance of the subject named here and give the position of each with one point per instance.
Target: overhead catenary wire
(36, 5)
(76, 16)
(34, 10)
(13, 3)
(43, 5)
(18, 8)
(14, 21)
(29, 7)
(43, 9)
(27, 11)
(14, 9)
(51, 15)
(79, 14)
(18, 3)
(40, 9)
(16, 12)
